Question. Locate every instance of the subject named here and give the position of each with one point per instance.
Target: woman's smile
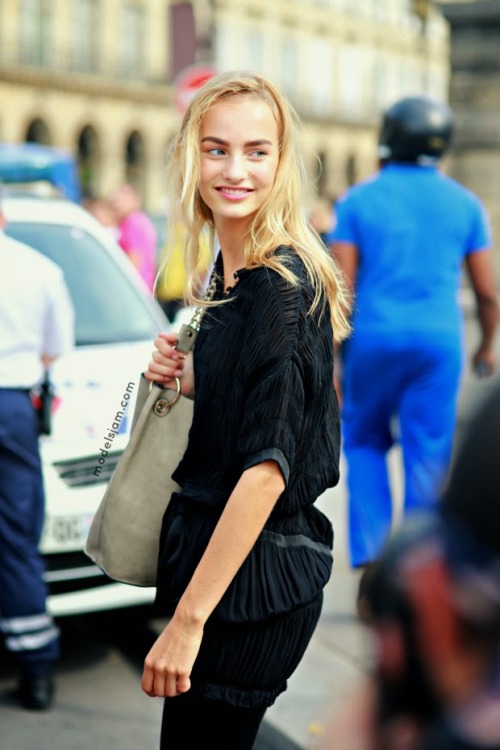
(232, 193)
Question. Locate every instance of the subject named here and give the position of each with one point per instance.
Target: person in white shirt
(36, 327)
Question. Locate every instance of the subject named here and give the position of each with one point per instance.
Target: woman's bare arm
(169, 663)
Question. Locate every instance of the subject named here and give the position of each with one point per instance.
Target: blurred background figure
(434, 601)
(322, 219)
(36, 327)
(103, 210)
(172, 275)
(402, 238)
(136, 232)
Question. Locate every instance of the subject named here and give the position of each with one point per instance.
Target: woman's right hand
(168, 665)
(167, 364)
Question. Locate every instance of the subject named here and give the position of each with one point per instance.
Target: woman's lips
(234, 194)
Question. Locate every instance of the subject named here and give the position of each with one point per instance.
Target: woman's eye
(217, 151)
(259, 154)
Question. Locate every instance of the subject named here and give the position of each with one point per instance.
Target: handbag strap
(188, 332)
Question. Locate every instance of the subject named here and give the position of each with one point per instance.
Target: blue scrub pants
(402, 389)
(29, 632)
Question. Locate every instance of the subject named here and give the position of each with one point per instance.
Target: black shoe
(36, 691)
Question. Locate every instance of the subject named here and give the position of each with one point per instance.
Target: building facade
(475, 99)
(98, 77)
(341, 62)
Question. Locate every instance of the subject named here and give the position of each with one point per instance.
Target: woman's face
(239, 159)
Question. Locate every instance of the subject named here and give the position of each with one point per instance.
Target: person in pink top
(137, 233)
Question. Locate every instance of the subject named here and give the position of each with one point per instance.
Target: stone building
(475, 99)
(98, 76)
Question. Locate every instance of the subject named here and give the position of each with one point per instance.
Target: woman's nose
(234, 168)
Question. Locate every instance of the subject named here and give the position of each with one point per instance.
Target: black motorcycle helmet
(415, 128)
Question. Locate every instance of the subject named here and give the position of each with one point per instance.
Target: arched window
(38, 132)
(88, 159)
(135, 161)
(351, 170)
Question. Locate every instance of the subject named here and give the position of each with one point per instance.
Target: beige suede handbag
(124, 535)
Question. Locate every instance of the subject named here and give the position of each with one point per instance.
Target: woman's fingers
(166, 362)
(148, 680)
(183, 684)
(161, 373)
(165, 343)
(169, 686)
(159, 683)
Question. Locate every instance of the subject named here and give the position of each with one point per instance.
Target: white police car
(116, 322)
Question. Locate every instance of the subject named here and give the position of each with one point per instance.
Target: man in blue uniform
(402, 238)
(36, 327)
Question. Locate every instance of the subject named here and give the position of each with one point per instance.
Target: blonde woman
(244, 553)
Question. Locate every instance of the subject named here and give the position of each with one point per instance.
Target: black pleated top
(264, 390)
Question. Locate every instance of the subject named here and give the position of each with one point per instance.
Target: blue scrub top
(413, 227)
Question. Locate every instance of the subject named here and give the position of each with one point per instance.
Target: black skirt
(257, 635)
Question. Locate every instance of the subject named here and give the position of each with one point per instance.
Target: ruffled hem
(242, 698)
(249, 665)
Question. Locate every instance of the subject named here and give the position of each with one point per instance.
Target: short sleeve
(345, 227)
(273, 410)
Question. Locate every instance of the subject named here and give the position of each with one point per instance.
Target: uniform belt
(11, 388)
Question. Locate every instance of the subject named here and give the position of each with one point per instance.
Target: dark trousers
(192, 721)
(29, 632)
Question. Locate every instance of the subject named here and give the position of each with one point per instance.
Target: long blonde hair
(280, 221)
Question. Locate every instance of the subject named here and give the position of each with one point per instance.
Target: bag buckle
(162, 406)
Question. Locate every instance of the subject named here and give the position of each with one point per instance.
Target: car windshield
(108, 308)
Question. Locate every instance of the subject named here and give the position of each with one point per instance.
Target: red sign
(188, 82)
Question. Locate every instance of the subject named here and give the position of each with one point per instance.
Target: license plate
(62, 532)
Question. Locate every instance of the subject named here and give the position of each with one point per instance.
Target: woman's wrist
(190, 613)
